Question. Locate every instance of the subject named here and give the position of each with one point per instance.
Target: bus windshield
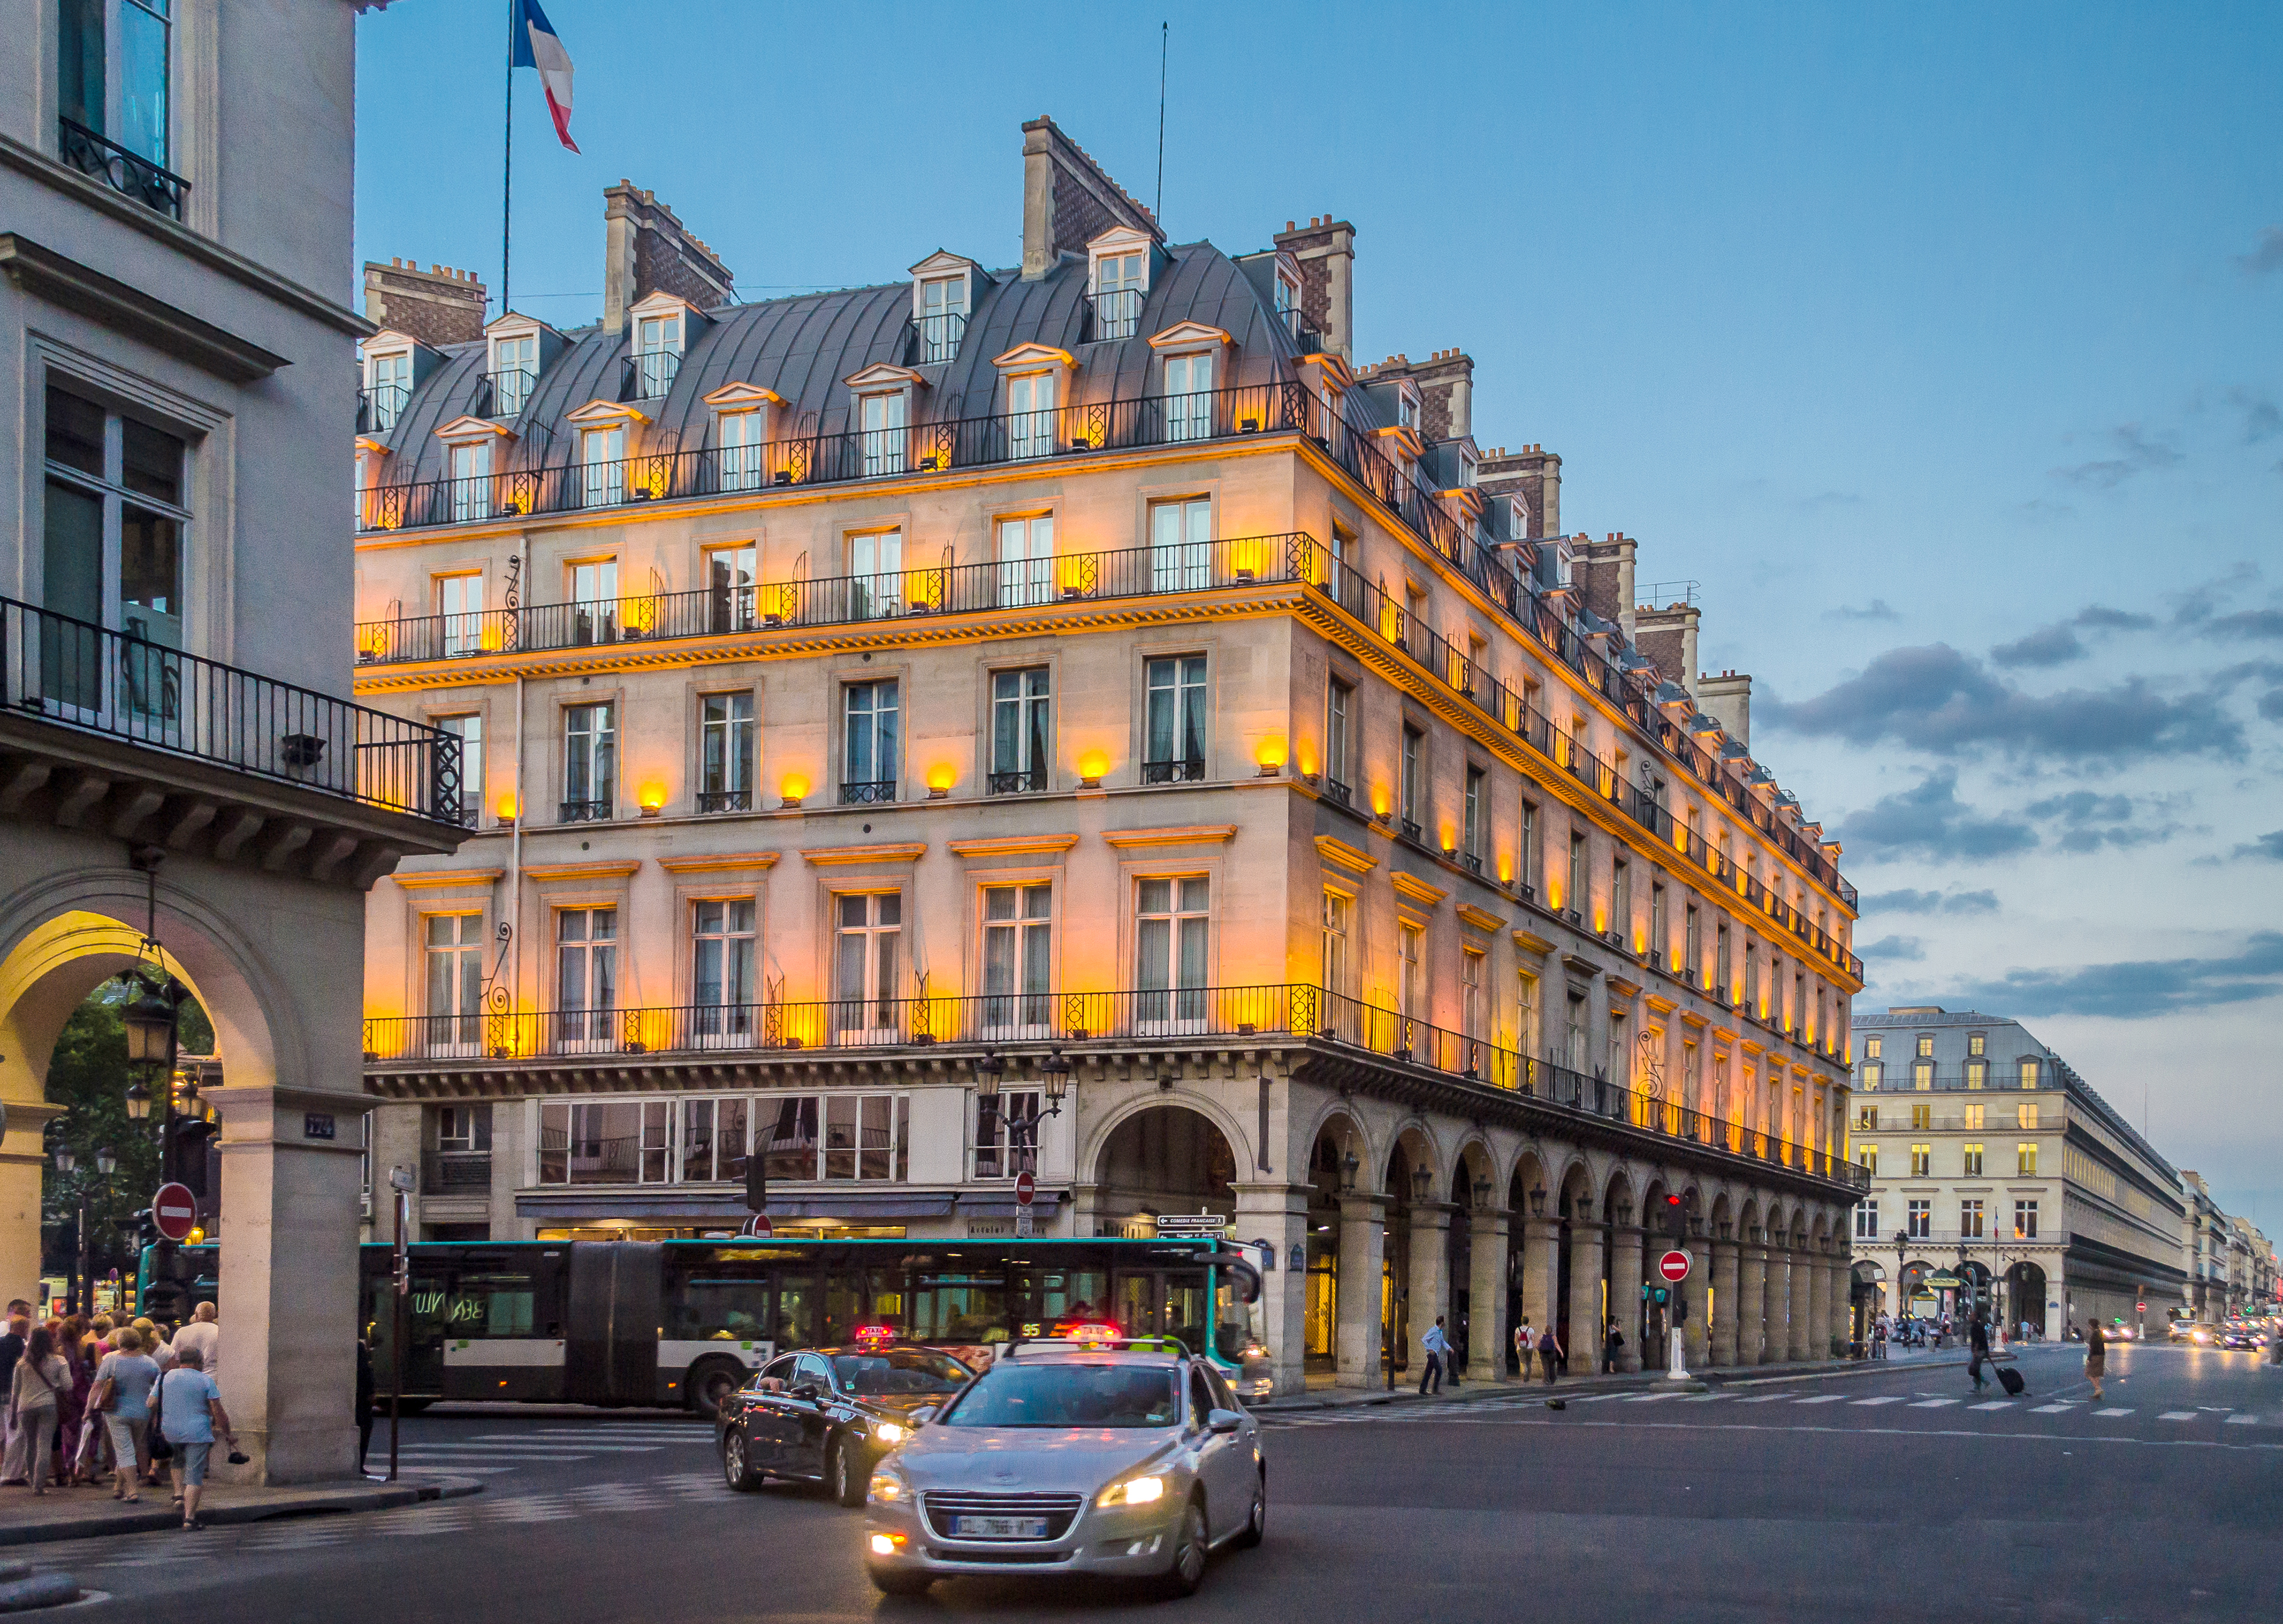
(1116, 1395)
(892, 1371)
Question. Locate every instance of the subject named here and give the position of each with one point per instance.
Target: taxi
(827, 1415)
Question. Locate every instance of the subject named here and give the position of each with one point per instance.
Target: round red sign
(1026, 1188)
(759, 1227)
(1674, 1266)
(175, 1211)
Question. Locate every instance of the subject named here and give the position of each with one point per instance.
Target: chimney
(1534, 475)
(646, 250)
(1668, 636)
(1605, 575)
(1324, 249)
(438, 305)
(1727, 700)
(1069, 200)
(1446, 382)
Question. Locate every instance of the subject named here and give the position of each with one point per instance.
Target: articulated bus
(684, 1323)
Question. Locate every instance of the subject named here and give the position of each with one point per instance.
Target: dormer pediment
(882, 375)
(663, 303)
(1188, 335)
(1331, 370)
(1035, 358)
(370, 445)
(466, 430)
(1121, 239)
(742, 397)
(388, 341)
(1402, 438)
(515, 325)
(601, 413)
(943, 263)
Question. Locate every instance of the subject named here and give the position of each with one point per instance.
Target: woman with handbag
(122, 1393)
(41, 1376)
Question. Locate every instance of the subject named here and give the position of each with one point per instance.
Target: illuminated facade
(1087, 664)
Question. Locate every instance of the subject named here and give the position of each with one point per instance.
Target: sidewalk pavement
(1718, 1376)
(88, 1513)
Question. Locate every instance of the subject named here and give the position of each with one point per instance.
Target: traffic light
(1672, 1210)
(1660, 1295)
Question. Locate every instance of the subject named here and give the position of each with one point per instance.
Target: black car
(826, 1415)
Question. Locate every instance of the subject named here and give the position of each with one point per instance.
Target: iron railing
(870, 792)
(1116, 314)
(89, 678)
(443, 1171)
(502, 394)
(1170, 1014)
(379, 407)
(936, 337)
(1186, 770)
(583, 811)
(130, 173)
(1021, 782)
(648, 375)
(725, 800)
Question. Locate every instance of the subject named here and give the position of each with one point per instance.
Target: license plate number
(999, 1528)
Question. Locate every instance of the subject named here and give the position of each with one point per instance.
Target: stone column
(1626, 1293)
(1724, 1285)
(1277, 1213)
(1842, 1320)
(1430, 1277)
(1818, 1329)
(1776, 1333)
(1487, 1351)
(1751, 1304)
(1695, 1331)
(1797, 1304)
(1541, 1269)
(1584, 1343)
(2056, 1317)
(1363, 1243)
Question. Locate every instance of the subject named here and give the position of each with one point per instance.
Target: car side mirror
(924, 1414)
(1223, 1421)
(807, 1391)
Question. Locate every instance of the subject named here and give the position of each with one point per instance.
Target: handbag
(160, 1450)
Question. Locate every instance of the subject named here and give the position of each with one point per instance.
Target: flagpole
(507, 159)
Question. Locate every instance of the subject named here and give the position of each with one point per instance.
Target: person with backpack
(1524, 1340)
(1549, 1350)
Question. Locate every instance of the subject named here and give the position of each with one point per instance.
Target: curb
(361, 1498)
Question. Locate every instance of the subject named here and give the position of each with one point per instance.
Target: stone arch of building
(1620, 1199)
(1474, 1158)
(1574, 1196)
(1413, 1145)
(1528, 1173)
(1119, 1129)
(1334, 1117)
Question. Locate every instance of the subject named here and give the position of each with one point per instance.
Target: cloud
(2132, 452)
(2266, 253)
(2089, 821)
(2261, 419)
(1929, 821)
(1907, 948)
(2139, 988)
(1935, 699)
(1875, 610)
(2263, 624)
(2269, 845)
(1931, 902)
(2199, 602)
(2059, 643)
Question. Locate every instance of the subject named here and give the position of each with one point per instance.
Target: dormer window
(943, 317)
(657, 354)
(1033, 374)
(514, 374)
(1406, 408)
(1118, 284)
(387, 390)
(883, 416)
(1188, 349)
(744, 419)
(1466, 469)
(1288, 308)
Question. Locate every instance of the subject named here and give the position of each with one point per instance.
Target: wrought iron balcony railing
(725, 800)
(648, 376)
(1188, 770)
(75, 674)
(936, 339)
(875, 792)
(445, 1171)
(1024, 781)
(1175, 1014)
(130, 173)
(379, 407)
(502, 394)
(584, 811)
(1114, 314)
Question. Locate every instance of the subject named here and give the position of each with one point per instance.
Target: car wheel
(1188, 1569)
(711, 1383)
(738, 1462)
(891, 1581)
(1256, 1524)
(844, 1475)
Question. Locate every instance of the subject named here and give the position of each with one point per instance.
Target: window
(621, 1142)
(1415, 747)
(1621, 899)
(1918, 1220)
(868, 934)
(876, 572)
(1171, 962)
(744, 452)
(1922, 1160)
(387, 390)
(2025, 1114)
(1873, 1048)
(595, 601)
(1339, 707)
(1752, 998)
(1030, 422)
(714, 1140)
(1921, 1117)
(657, 354)
(1470, 999)
(2029, 1074)
(1118, 295)
(1018, 959)
(603, 464)
(1866, 1220)
(463, 1130)
(1527, 1034)
(1970, 1220)
(1866, 1157)
(585, 976)
(872, 752)
(1477, 816)
(1922, 1074)
(1338, 910)
(726, 753)
(113, 64)
(454, 953)
(721, 968)
(1867, 1116)
(1022, 731)
(1721, 985)
(1007, 1134)
(1578, 1059)
(2025, 1159)
(1026, 561)
(1977, 1044)
(1188, 397)
(1410, 950)
(1573, 884)
(1181, 545)
(880, 425)
(1972, 1117)
(1872, 1070)
(943, 317)
(515, 369)
(864, 1138)
(730, 575)
(1406, 408)
(2025, 1220)
(591, 757)
(1971, 1166)
(1174, 720)
(1926, 1046)
(470, 465)
(1977, 1073)
(460, 612)
(1692, 937)
(469, 732)
(1660, 941)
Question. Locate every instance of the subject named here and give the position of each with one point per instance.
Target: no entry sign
(1674, 1266)
(1026, 1189)
(175, 1211)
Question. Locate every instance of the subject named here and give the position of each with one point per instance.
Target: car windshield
(889, 1372)
(1088, 1395)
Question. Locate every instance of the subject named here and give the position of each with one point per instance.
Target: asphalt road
(1887, 1496)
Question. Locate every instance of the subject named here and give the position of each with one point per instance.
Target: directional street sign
(1674, 1266)
(175, 1211)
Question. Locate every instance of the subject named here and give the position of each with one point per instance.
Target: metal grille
(1059, 1510)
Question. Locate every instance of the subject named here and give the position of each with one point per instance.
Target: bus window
(720, 1309)
(954, 1306)
(1232, 1323)
(1185, 1310)
(795, 1308)
(492, 1304)
(1053, 1295)
(423, 1318)
(854, 1297)
(1135, 1305)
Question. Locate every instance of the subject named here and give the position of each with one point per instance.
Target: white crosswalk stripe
(2243, 1420)
(1823, 1398)
(1995, 1403)
(1934, 1404)
(2115, 1411)
(2179, 1415)
(2049, 1409)
(1867, 1403)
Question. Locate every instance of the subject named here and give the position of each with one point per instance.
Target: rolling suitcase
(2010, 1378)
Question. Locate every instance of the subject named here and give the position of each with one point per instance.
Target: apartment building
(189, 795)
(1999, 1178)
(2229, 1263)
(1072, 719)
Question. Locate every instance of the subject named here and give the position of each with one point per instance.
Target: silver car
(1131, 1458)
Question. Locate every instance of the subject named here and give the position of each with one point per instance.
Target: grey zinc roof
(805, 345)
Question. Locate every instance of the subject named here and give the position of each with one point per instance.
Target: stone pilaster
(1696, 1331)
(1584, 1343)
(1797, 1304)
(1626, 1293)
(1818, 1329)
(1751, 1304)
(1277, 1213)
(1430, 1277)
(1541, 1269)
(1722, 1350)
(1363, 1249)
(1487, 1352)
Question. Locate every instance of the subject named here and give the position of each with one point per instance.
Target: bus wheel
(712, 1382)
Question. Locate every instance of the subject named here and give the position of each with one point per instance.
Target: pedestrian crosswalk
(1883, 1407)
(488, 1454)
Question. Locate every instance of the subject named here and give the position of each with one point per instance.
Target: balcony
(935, 338)
(503, 395)
(1342, 794)
(456, 1172)
(1116, 314)
(1189, 770)
(725, 800)
(583, 811)
(877, 792)
(648, 376)
(379, 407)
(1031, 781)
(127, 173)
(1261, 1015)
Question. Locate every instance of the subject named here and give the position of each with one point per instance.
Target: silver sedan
(1126, 1460)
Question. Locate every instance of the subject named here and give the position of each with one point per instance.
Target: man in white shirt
(204, 1335)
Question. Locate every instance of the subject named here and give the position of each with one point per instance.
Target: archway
(1577, 1210)
(2025, 1300)
(1473, 1189)
(1163, 1160)
(1409, 1177)
(1334, 1162)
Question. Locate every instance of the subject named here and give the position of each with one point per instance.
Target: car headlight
(887, 1486)
(1134, 1491)
(890, 1432)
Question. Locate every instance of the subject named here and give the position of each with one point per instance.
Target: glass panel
(143, 79)
(840, 1134)
(790, 1151)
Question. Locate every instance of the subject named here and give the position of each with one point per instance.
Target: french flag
(538, 46)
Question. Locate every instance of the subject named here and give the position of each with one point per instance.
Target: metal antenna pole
(1164, 45)
(507, 178)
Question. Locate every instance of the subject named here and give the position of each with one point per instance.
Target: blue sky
(1941, 346)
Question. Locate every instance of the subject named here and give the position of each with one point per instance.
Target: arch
(1573, 1198)
(1337, 1118)
(1414, 1146)
(1166, 1156)
(1724, 1216)
(1475, 1159)
(1617, 1192)
(1232, 1131)
(1749, 1219)
(1869, 1272)
(1528, 1174)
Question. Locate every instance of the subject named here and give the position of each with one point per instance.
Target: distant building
(2229, 1264)
(1992, 1162)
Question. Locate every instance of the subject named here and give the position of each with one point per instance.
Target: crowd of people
(96, 1400)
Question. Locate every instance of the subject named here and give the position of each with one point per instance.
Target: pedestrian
(1549, 1350)
(12, 1472)
(71, 1403)
(41, 1378)
(2096, 1356)
(365, 1397)
(1525, 1339)
(1613, 1349)
(122, 1395)
(1438, 1352)
(203, 1334)
(189, 1414)
(1978, 1349)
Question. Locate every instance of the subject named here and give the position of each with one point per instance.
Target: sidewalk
(88, 1513)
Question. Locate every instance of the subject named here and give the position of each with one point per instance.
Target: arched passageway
(1167, 1158)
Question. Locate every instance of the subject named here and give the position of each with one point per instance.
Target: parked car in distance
(827, 1415)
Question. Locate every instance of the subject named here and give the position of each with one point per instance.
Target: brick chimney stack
(1324, 249)
(1533, 474)
(1069, 200)
(647, 250)
(1446, 381)
(438, 305)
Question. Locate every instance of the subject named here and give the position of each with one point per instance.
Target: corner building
(1088, 665)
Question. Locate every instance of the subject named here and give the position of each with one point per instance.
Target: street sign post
(1190, 1225)
(758, 1227)
(174, 1210)
(1026, 1191)
(1674, 1266)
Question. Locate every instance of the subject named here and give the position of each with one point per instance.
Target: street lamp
(1348, 1165)
(1423, 1183)
(1538, 1200)
(988, 1069)
(1055, 1068)
(138, 1102)
(150, 1022)
(1483, 1193)
(65, 1160)
(106, 1162)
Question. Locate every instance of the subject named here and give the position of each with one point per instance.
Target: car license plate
(999, 1528)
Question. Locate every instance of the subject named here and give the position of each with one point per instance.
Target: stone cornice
(601, 868)
(435, 879)
(892, 852)
(1182, 835)
(716, 862)
(1337, 853)
(1009, 845)
(1416, 889)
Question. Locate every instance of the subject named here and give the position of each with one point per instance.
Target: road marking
(2049, 1409)
(2243, 1420)
(512, 1445)
(2124, 1410)
(1825, 1398)
(1866, 1402)
(1933, 1403)
(1995, 1403)
(2179, 1415)
(1649, 1398)
(1767, 1398)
